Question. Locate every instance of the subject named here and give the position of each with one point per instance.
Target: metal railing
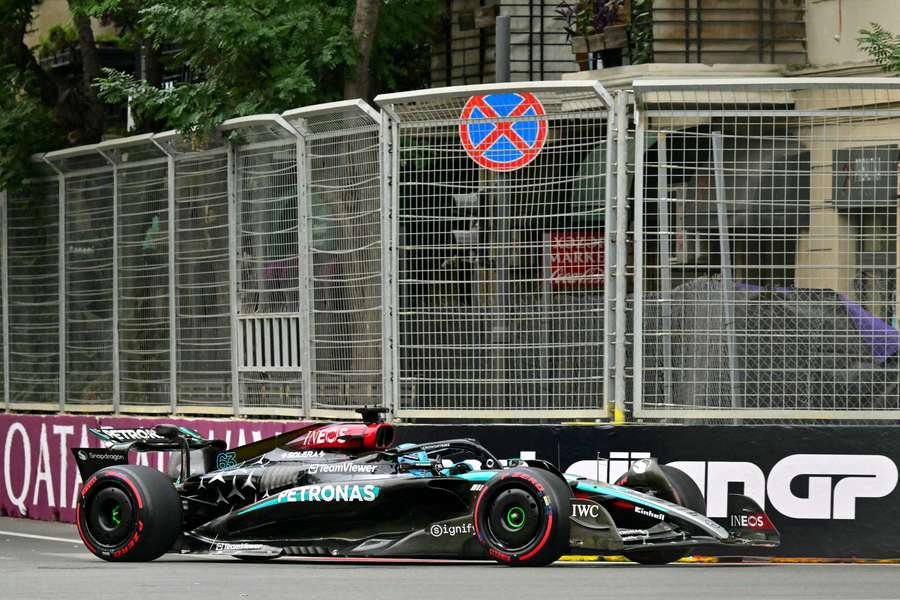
(699, 250)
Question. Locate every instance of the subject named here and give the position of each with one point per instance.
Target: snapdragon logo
(800, 486)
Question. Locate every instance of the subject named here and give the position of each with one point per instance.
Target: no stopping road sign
(494, 133)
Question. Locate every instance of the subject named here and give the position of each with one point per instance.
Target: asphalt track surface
(37, 562)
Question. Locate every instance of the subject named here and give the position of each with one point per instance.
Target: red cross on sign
(503, 132)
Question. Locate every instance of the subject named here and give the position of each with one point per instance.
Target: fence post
(305, 269)
(4, 281)
(662, 196)
(725, 252)
(609, 255)
(61, 252)
(388, 299)
(116, 383)
(233, 280)
(637, 342)
(621, 257)
(173, 290)
(390, 169)
(173, 275)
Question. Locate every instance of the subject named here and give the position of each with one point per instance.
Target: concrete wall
(832, 27)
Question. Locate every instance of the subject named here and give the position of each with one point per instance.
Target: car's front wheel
(128, 513)
(687, 494)
(522, 517)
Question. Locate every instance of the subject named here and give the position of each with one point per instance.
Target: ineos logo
(757, 521)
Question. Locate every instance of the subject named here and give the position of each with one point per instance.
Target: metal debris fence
(687, 251)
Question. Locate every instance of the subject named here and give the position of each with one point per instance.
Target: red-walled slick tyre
(522, 517)
(128, 513)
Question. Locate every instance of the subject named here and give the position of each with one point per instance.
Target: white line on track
(48, 538)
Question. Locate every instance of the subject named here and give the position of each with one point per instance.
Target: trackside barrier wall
(703, 250)
(849, 513)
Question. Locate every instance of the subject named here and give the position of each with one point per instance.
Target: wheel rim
(110, 518)
(514, 519)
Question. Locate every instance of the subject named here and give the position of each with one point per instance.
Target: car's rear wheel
(686, 494)
(522, 517)
(128, 513)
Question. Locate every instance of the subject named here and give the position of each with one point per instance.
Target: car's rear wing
(171, 438)
(119, 441)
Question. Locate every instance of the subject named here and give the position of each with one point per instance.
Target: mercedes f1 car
(345, 490)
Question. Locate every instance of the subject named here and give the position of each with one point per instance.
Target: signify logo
(330, 493)
(442, 529)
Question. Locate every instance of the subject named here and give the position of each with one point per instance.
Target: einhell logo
(649, 513)
(831, 484)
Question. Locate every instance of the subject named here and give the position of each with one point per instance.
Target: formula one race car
(344, 490)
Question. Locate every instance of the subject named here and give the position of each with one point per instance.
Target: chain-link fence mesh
(768, 283)
(89, 238)
(33, 288)
(143, 280)
(202, 255)
(500, 205)
(344, 231)
(268, 262)
(717, 251)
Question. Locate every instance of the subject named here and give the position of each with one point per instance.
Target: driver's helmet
(414, 457)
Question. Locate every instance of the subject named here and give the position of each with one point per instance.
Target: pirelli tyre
(128, 513)
(522, 517)
(687, 494)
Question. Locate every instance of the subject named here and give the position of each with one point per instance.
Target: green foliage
(260, 56)
(403, 47)
(640, 32)
(26, 128)
(881, 45)
(57, 39)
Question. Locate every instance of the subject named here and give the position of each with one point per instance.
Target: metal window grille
(33, 296)
(499, 289)
(765, 228)
(540, 48)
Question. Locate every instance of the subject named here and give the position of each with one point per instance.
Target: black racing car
(344, 490)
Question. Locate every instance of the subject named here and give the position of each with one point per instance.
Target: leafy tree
(38, 112)
(241, 57)
(881, 45)
(270, 55)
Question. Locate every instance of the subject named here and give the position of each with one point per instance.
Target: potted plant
(597, 29)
